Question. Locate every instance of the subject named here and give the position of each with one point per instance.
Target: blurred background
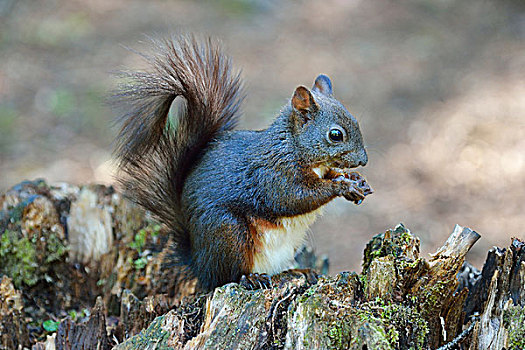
(437, 85)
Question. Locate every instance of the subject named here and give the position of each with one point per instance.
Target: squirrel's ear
(323, 85)
(303, 101)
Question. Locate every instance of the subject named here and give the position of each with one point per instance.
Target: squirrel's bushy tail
(155, 153)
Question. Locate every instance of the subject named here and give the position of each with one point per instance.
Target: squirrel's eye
(335, 135)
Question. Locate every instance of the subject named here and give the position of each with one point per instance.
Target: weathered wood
(58, 267)
(91, 334)
(13, 330)
(440, 305)
(381, 309)
(499, 298)
(136, 315)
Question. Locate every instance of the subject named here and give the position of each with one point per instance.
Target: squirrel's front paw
(351, 192)
(352, 186)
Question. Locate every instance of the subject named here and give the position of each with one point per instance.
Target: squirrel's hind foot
(255, 281)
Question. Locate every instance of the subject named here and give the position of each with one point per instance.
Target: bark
(67, 248)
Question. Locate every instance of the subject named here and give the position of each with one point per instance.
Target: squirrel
(236, 202)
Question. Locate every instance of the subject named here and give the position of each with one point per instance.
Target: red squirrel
(236, 202)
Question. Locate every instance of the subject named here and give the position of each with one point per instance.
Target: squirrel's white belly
(278, 243)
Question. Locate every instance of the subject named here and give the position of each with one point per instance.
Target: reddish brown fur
(256, 229)
(256, 246)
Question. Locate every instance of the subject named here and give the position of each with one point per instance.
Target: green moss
(392, 242)
(373, 250)
(363, 281)
(403, 327)
(403, 233)
(377, 324)
(376, 329)
(28, 259)
(55, 249)
(514, 322)
(18, 255)
(155, 336)
(431, 298)
(406, 327)
(335, 334)
(392, 336)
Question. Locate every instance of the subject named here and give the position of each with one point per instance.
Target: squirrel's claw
(255, 281)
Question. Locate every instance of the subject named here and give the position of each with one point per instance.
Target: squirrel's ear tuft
(303, 101)
(323, 85)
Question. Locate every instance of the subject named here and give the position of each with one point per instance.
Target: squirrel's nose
(364, 160)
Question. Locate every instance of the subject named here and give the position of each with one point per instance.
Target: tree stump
(82, 268)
